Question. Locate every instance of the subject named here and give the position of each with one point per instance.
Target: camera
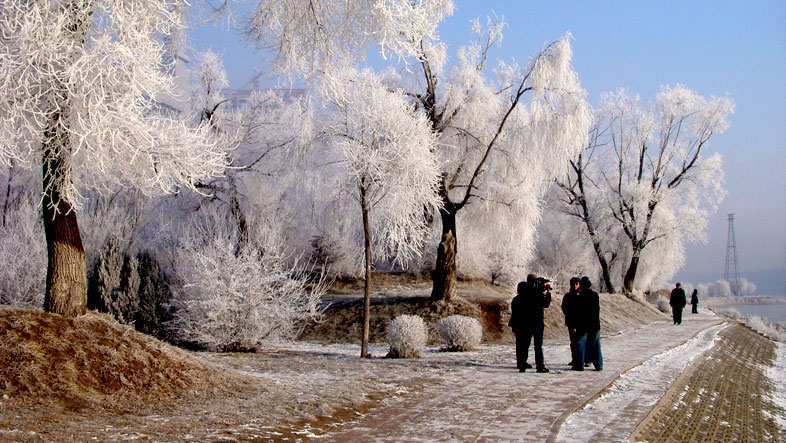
(544, 283)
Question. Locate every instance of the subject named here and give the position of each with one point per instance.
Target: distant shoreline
(747, 300)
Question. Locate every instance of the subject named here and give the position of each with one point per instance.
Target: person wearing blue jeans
(591, 303)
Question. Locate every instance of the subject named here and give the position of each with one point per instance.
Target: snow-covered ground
(777, 374)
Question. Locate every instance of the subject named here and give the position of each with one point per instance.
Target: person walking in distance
(526, 320)
(570, 303)
(694, 300)
(677, 302)
(591, 306)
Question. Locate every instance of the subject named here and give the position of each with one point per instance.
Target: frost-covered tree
(578, 195)
(208, 78)
(381, 154)
(500, 138)
(262, 137)
(658, 183)
(78, 87)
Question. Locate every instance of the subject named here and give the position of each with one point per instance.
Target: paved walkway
(487, 399)
(722, 397)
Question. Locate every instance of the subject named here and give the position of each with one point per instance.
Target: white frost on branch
(378, 146)
(235, 297)
(78, 85)
(323, 36)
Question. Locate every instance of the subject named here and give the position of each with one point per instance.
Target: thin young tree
(578, 197)
(500, 138)
(658, 182)
(78, 87)
(380, 151)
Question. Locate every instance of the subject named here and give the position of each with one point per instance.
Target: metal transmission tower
(732, 269)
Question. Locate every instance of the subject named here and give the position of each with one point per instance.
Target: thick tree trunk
(66, 272)
(367, 284)
(630, 274)
(239, 217)
(444, 275)
(604, 267)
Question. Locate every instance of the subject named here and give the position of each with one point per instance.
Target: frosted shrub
(407, 336)
(729, 312)
(234, 298)
(765, 328)
(23, 258)
(460, 333)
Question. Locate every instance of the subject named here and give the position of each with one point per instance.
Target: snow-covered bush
(729, 312)
(765, 328)
(23, 258)
(460, 333)
(407, 336)
(233, 296)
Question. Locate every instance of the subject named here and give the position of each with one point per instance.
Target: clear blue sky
(712, 47)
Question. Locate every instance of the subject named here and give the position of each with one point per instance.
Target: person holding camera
(526, 320)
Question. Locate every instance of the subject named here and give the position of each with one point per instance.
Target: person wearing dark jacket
(526, 320)
(590, 325)
(677, 302)
(570, 303)
(694, 300)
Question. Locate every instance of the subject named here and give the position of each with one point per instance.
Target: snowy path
(617, 411)
(484, 398)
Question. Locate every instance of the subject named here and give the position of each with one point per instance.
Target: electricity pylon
(732, 269)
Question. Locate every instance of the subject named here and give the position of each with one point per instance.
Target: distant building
(175, 63)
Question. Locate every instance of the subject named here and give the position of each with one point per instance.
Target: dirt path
(721, 397)
(486, 399)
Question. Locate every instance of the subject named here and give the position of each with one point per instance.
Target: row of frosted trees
(432, 166)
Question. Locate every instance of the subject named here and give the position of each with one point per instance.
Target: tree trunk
(604, 267)
(444, 275)
(66, 272)
(367, 284)
(239, 217)
(630, 274)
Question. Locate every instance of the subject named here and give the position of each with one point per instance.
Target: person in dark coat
(590, 325)
(526, 320)
(694, 300)
(677, 302)
(570, 303)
